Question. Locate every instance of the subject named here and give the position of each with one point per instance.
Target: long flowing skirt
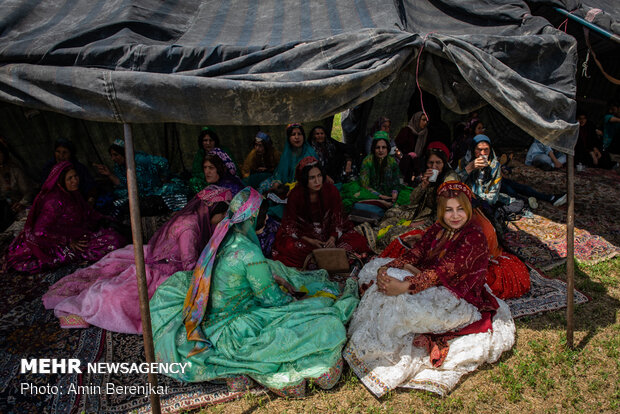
(105, 294)
(381, 351)
(279, 347)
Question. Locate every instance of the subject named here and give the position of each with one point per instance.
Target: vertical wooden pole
(570, 251)
(136, 231)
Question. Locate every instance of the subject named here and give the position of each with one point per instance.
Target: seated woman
(313, 219)
(208, 140)
(218, 169)
(16, 191)
(330, 153)
(296, 148)
(379, 182)
(481, 170)
(411, 143)
(261, 161)
(431, 299)
(105, 294)
(423, 199)
(64, 150)
(229, 319)
(159, 192)
(61, 227)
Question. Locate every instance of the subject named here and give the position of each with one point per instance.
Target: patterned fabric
(57, 218)
(318, 220)
(106, 294)
(457, 260)
(382, 176)
(197, 182)
(285, 171)
(254, 327)
(484, 183)
(381, 350)
(243, 207)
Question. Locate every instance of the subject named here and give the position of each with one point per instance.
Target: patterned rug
(28, 330)
(545, 295)
(541, 242)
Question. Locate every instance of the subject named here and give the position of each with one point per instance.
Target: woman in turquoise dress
(237, 317)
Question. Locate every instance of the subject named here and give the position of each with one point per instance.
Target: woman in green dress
(237, 317)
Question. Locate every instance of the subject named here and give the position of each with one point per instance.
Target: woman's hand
(331, 242)
(280, 281)
(427, 174)
(480, 162)
(390, 286)
(313, 242)
(102, 169)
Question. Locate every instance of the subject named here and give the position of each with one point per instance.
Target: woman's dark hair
(117, 149)
(442, 156)
(63, 175)
(65, 143)
(219, 208)
(373, 145)
(262, 215)
(291, 128)
(210, 132)
(379, 164)
(217, 163)
(311, 134)
(304, 175)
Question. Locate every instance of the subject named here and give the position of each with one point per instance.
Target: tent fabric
(268, 62)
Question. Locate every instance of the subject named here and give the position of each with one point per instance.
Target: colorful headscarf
(51, 184)
(452, 187)
(303, 163)
(285, 171)
(262, 137)
(228, 162)
(244, 206)
(381, 135)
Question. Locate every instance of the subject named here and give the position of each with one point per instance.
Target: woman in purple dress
(61, 227)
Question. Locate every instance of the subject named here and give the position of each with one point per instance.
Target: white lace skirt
(380, 349)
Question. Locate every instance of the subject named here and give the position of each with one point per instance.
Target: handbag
(332, 259)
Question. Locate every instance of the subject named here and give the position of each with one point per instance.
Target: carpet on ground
(541, 242)
(545, 295)
(28, 330)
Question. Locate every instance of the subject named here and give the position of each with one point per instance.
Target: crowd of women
(226, 274)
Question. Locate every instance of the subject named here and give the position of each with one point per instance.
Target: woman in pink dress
(106, 293)
(61, 227)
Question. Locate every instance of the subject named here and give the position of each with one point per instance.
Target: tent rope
(417, 69)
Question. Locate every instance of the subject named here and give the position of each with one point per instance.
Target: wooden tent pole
(136, 232)
(570, 251)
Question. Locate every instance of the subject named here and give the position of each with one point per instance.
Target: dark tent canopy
(268, 62)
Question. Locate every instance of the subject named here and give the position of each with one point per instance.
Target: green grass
(539, 375)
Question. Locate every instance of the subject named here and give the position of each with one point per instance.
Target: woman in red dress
(313, 219)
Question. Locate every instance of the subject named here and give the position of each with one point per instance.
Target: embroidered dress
(106, 293)
(448, 312)
(246, 325)
(317, 220)
(57, 218)
(151, 171)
